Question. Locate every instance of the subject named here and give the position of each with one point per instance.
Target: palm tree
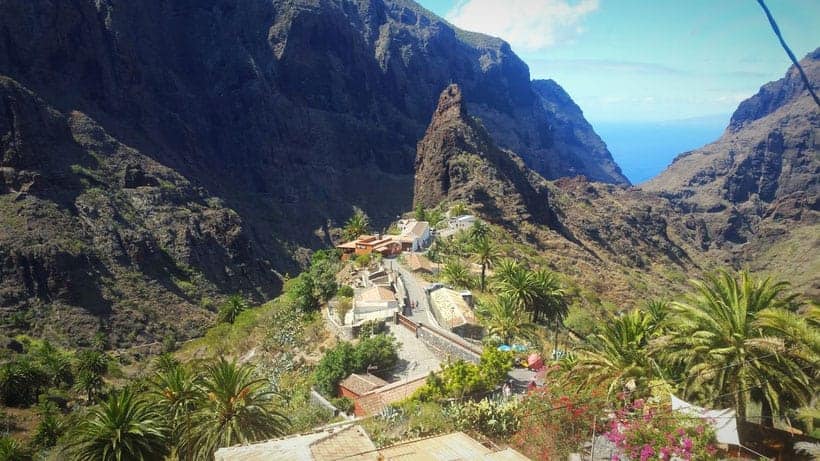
(518, 283)
(479, 231)
(12, 450)
(176, 391)
(356, 225)
(616, 356)
(737, 337)
(231, 308)
(486, 254)
(504, 318)
(124, 427)
(234, 407)
(457, 274)
(505, 268)
(549, 305)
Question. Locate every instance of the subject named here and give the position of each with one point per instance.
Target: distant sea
(644, 149)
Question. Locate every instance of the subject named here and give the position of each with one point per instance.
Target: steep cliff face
(167, 152)
(458, 161)
(578, 148)
(754, 192)
(98, 237)
(606, 235)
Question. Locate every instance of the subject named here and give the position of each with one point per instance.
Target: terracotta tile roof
(418, 262)
(374, 401)
(450, 447)
(347, 444)
(361, 384)
(324, 445)
(376, 294)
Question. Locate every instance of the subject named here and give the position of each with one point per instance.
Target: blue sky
(650, 60)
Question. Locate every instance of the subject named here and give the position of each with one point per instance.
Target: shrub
(345, 291)
(555, 423)
(491, 417)
(363, 260)
(371, 328)
(343, 404)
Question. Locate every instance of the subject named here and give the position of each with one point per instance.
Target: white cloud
(526, 24)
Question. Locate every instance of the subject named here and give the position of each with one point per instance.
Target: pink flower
(687, 444)
(647, 452)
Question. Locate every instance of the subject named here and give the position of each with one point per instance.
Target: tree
(420, 213)
(302, 292)
(231, 308)
(486, 254)
(457, 274)
(505, 318)
(358, 224)
(517, 283)
(123, 427)
(176, 391)
(234, 407)
(480, 230)
(334, 366)
(617, 356)
(50, 427)
(55, 363)
(378, 352)
(323, 271)
(91, 366)
(735, 334)
(549, 304)
(21, 381)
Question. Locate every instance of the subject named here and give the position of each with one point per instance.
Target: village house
(462, 222)
(420, 264)
(374, 303)
(356, 385)
(367, 244)
(374, 399)
(415, 235)
(452, 311)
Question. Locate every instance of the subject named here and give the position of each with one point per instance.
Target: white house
(374, 303)
(415, 235)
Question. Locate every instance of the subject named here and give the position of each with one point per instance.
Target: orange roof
(361, 384)
(375, 294)
(419, 262)
(374, 401)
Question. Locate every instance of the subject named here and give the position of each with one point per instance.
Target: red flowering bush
(555, 422)
(644, 433)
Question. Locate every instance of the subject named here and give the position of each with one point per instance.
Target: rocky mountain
(158, 155)
(609, 237)
(753, 193)
(457, 160)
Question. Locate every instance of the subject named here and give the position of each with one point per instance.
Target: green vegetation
(358, 224)
(231, 308)
(377, 353)
(459, 379)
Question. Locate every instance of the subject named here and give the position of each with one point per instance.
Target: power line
(789, 51)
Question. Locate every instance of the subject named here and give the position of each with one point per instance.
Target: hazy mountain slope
(756, 188)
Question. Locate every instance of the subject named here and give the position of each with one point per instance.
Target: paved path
(415, 292)
(414, 357)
